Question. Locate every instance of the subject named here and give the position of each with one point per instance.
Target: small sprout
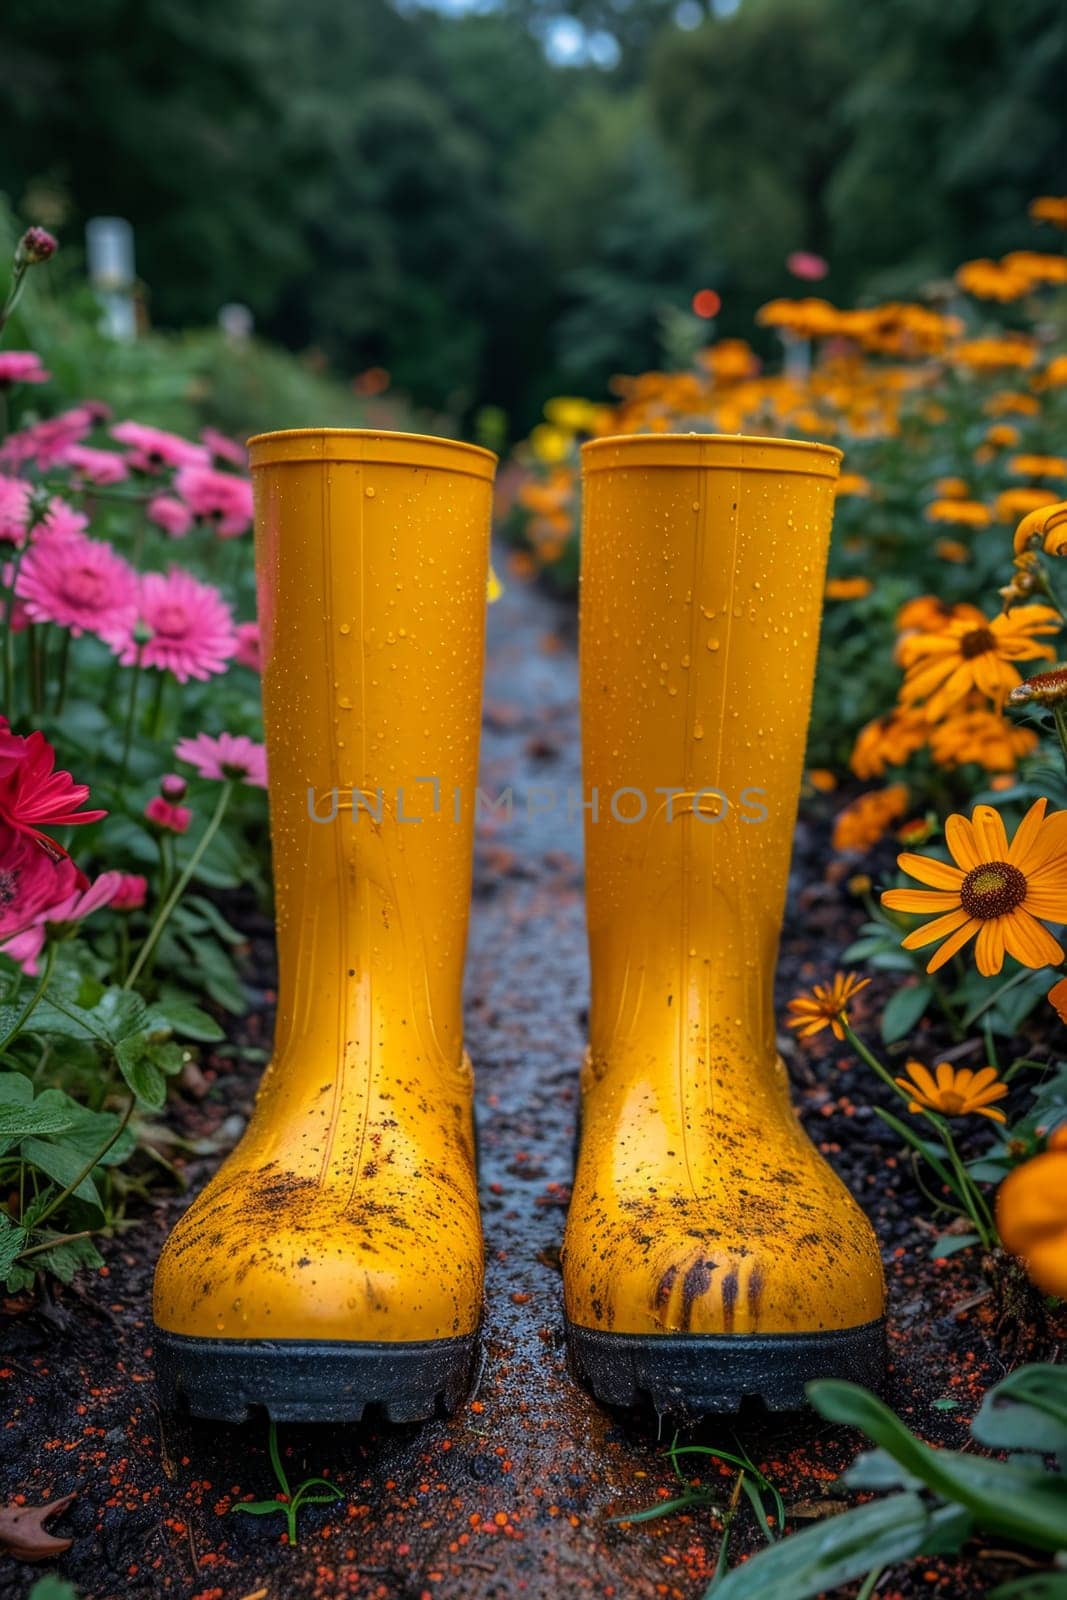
(312, 1492)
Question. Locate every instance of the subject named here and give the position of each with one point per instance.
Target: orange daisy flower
(826, 1006)
(943, 668)
(888, 742)
(995, 892)
(955, 1093)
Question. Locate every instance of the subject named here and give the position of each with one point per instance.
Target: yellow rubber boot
(710, 1252)
(335, 1260)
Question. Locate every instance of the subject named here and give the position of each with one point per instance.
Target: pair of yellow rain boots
(334, 1263)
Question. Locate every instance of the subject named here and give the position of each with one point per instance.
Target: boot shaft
(371, 562)
(703, 565)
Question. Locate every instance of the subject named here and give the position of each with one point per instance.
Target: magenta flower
(14, 509)
(101, 467)
(30, 880)
(230, 756)
(190, 627)
(172, 786)
(807, 265)
(249, 653)
(32, 794)
(167, 818)
(46, 443)
(172, 515)
(81, 584)
(218, 497)
(21, 366)
(153, 449)
(35, 246)
(131, 892)
(60, 919)
(224, 448)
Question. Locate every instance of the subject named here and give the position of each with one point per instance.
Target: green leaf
(69, 1257)
(876, 1469)
(832, 1552)
(1027, 1410)
(949, 1243)
(143, 1076)
(1035, 1586)
(62, 1165)
(183, 1017)
(904, 1010)
(12, 1243)
(19, 1122)
(260, 1508)
(667, 1508)
(1015, 1502)
(52, 1587)
(15, 1089)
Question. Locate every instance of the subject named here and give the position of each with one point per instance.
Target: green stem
(873, 1062)
(52, 1244)
(991, 1000)
(18, 283)
(164, 912)
(1059, 716)
(94, 1161)
(28, 1009)
(61, 673)
(131, 708)
(155, 715)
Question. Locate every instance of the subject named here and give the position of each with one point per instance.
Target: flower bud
(172, 786)
(1043, 689)
(35, 246)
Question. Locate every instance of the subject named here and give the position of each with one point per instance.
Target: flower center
(951, 1102)
(85, 587)
(977, 643)
(9, 883)
(992, 890)
(171, 621)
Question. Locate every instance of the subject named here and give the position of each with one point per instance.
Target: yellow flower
(956, 1092)
(995, 891)
(1050, 208)
(992, 354)
(1037, 266)
(852, 483)
(550, 444)
(969, 513)
(862, 823)
(992, 280)
(1038, 466)
(981, 736)
(1054, 375)
(928, 613)
(571, 415)
(944, 668)
(1032, 1214)
(848, 588)
(952, 489)
(1045, 526)
(952, 550)
(1011, 504)
(822, 780)
(1004, 435)
(1009, 402)
(888, 742)
(826, 1006)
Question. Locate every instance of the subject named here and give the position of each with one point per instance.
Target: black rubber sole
(311, 1380)
(695, 1374)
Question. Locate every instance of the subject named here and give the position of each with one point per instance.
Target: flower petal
(927, 869)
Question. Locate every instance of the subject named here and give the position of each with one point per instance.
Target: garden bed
(520, 1492)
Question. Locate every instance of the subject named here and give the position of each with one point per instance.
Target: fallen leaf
(22, 1531)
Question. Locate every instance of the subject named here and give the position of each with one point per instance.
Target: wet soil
(520, 1492)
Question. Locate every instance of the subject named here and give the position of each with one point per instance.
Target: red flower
(30, 881)
(33, 795)
(168, 818)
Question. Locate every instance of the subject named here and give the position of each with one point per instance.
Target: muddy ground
(517, 1495)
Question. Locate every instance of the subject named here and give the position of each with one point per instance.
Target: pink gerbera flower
(218, 497)
(21, 366)
(30, 880)
(81, 584)
(46, 443)
(62, 916)
(190, 627)
(32, 794)
(14, 509)
(172, 515)
(101, 467)
(153, 449)
(224, 448)
(230, 756)
(248, 647)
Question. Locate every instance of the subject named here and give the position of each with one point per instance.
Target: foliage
(937, 1499)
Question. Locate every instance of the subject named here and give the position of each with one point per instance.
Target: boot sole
(311, 1380)
(694, 1373)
